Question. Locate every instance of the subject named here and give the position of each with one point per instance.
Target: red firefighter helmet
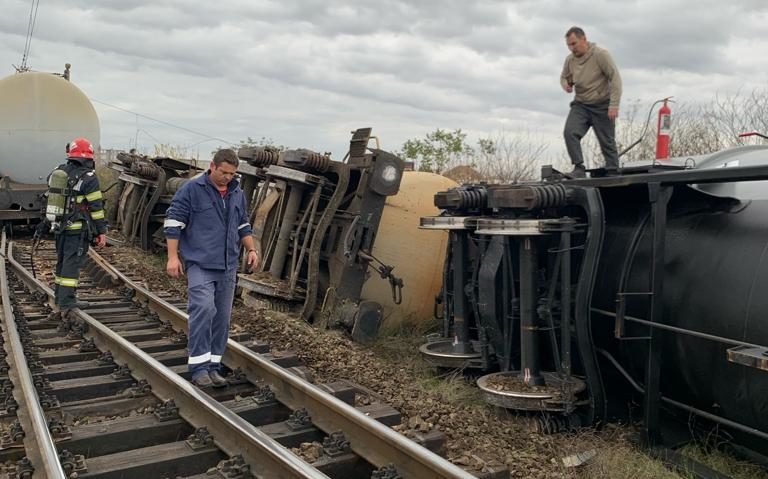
(80, 148)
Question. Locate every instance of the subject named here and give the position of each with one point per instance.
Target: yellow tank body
(416, 254)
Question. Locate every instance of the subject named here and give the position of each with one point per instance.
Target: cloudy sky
(306, 73)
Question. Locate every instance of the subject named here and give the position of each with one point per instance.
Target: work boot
(578, 171)
(76, 304)
(217, 379)
(202, 381)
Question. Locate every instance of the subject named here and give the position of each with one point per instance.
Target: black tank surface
(651, 286)
(715, 282)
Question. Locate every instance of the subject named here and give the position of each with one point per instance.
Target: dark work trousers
(580, 119)
(210, 297)
(71, 250)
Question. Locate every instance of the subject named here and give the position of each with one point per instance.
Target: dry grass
(616, 458)
(454, 389)
(724, 462)
(622, 461)
(452, 386)
(409, 328)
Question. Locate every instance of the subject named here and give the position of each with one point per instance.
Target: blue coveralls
(209, 229)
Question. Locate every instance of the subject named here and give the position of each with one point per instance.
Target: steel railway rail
(246, 446)
(375, 442)
(232, 434)
(39, 445)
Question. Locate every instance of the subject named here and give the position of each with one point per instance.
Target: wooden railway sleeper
(104, 463)
(336, 444)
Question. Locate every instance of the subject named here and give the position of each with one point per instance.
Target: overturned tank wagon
(39, 114)
(316, 223)
(575, 296)
(145, 187)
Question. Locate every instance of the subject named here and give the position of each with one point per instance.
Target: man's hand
(613, 112)
(101, 240)
(568, 88)
(253, 259)
(174, 268)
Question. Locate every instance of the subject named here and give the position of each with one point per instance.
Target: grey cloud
(312, 67)
(678, 35)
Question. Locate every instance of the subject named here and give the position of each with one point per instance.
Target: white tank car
(39, 114)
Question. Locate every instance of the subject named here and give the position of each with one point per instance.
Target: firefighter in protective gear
(79, 223)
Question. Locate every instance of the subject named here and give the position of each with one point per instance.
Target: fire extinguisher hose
(645, 128)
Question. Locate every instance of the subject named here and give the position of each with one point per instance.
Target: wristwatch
(253, 251)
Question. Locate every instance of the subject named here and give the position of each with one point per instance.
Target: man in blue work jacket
(206, 224)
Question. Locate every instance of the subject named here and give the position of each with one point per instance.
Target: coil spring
(145, 169)
(317, 162)
(474, 198)
(547, 196)
(263, 158)
(127, 159)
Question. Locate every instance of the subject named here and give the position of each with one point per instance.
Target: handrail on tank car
(689, 176)
(689, 332)
(685, 407)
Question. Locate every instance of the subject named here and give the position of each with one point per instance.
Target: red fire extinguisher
(663, 129)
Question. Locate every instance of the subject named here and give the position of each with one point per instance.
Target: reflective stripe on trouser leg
(225, 294)
(202, 309)
(68, 265)
(63, 281)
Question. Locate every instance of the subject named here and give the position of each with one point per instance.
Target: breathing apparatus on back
(58, 195)
(62, 185)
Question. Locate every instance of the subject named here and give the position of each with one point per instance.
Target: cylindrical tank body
(749, 155)
(715, 282)
(39, 114)
(172, 185)
(417, 255)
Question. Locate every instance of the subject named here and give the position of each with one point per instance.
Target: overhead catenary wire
(188, 130)
(30, 32)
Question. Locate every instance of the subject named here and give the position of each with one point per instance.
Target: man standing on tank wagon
(591, 72)
(205, 226)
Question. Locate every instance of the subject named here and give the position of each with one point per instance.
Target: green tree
(439, 150)
(263, 141)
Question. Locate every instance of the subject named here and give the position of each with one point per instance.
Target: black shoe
(202, 381)
(578, 171)
(612, 172)
(217, 379)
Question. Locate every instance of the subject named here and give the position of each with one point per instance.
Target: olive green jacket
(594, 76)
